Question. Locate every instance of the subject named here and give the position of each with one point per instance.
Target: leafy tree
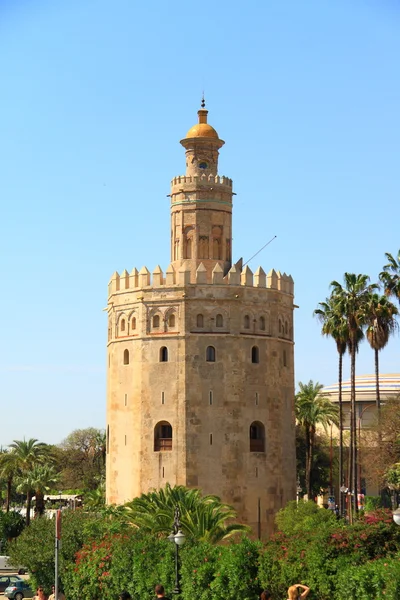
(302, 517)
(95, 499)
(320, 475)
(313, 408)
(202, 517)
(351, 301)
(334, 324)
(390, 276)
(81, 459)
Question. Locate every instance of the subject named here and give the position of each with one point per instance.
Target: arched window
(210, 354)
(255, 354)
(133, 323)
(200, 321)
(171, 321)
(126, 357)
(216, 249)
(188, 248)
(246, 322)
(262, 323)
(257, 437)
(122, 324)
(156, 321)
(163, 354)
(219, 321)
(162, 437)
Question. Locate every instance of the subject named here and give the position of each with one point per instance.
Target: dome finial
(203, 102)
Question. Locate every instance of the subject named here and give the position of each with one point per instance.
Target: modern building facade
(200, 374)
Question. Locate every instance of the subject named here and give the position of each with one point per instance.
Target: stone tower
(200, 385)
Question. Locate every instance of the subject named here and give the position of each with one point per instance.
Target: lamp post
(178, 538)
(396, 516)
(298, 489)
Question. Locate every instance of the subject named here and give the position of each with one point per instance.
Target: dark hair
(159, 589)
(265, 595)
(125, 595)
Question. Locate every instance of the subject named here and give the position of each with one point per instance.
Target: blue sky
(95, 98)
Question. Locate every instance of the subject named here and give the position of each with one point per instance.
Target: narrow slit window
(133, 323)
(211, 439)
(162, 397)
(210, 398)
(256, 473)
(125, 440)
(256, 398)
(126, 399)
(163, 472)
(126, 357)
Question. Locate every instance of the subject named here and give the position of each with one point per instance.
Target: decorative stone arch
(203, 246)
(257, 437)
(247, 321)
(133, 321)
(217, 242)
(281, 326)
(200, 320)
(122, 325)
(156, 319)
(263, 323)
(219, 319)
(171, 319)
(188, 242)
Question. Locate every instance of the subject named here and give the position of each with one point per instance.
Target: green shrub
(379, 579)
(372, 503)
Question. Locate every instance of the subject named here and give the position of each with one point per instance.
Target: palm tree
(335, 325)
(380, 317)
(351, 301)
(44, 478)
(203, 517)
(8, 468)
(390, 276)
(27, 454)
(313, 408)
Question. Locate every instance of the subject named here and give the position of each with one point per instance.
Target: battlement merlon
(137, 280)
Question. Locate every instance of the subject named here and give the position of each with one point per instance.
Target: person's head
(125, 596)
(40, 591)
(159, 590)
(293, 592)
(265, 595)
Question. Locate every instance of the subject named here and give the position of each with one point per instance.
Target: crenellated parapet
(136, 280)
(194, 180)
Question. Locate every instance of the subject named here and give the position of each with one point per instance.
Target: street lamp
(396, 516)
(178, 538)
(298, 489)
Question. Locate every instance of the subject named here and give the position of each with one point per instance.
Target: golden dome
(202, 128)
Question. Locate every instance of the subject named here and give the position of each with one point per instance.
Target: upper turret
(202, 144)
